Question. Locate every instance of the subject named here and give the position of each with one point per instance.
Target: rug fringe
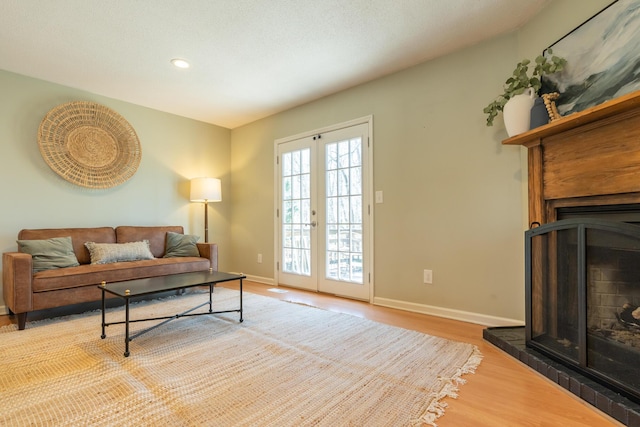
(436, 409)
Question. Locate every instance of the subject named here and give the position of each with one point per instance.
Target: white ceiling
(250, 58)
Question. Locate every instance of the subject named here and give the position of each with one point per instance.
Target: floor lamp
(206, 190)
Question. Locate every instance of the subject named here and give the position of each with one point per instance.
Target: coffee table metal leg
(126, 328)
(103, 336)
(210, 297)
(241, 319)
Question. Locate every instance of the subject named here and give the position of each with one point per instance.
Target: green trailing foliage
(521, 80)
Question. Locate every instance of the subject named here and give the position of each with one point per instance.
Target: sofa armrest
(209, 251)
(17, 275)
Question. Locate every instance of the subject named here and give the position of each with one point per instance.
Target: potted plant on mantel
(520, 91)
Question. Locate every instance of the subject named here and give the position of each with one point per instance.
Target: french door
(323, 211)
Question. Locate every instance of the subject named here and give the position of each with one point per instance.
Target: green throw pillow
(106, 253)
(48, 254)
(180, 245)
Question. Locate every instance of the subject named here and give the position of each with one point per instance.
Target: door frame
(367, 120)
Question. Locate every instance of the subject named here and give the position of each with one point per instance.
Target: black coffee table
(154, 285)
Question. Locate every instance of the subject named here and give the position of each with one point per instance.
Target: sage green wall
(451, 190)
(174, 149)
(555, 21)
(453, 195)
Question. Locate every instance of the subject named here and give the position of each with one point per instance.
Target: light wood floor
(502, 393)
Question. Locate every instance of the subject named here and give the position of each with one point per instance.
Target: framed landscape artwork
(603, 60)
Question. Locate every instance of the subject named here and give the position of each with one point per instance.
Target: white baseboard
(258, 279)
(448, 313)
(4, 309)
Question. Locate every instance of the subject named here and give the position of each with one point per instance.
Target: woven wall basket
(89, 144)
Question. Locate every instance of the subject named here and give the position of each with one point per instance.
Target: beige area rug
(286, 365)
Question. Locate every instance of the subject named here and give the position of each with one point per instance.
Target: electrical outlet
(259, 258)
(428, 277)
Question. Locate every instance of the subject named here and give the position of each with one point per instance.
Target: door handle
(312, 224)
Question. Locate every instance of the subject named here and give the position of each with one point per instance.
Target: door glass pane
(305, 186)
(356, 152)
(332, 183)
(343, 154)
(332, 157)
(356, 239)
(356, 181)
(344, 238)
(332, 211)
(305, 159)
(356, 209)
(343, 272)
(286, 164)
(356, 267)
(343, 210)
(287, 236)
(286, 188)
(296, 212)
(295, 187)
(332, 265)
(295, 162)
(343, 182)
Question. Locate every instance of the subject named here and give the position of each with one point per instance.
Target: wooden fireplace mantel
(590, 158)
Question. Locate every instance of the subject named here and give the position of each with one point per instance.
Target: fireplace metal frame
(581, 225)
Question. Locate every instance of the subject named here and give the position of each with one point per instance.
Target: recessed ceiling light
(180, 63)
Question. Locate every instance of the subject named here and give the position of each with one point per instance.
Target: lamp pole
(206, 221)
(206, 190)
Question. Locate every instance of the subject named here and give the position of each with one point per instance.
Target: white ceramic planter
(517, 112)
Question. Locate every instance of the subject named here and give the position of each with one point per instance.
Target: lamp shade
(206, 190)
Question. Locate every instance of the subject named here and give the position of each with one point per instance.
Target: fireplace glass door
(583, 298)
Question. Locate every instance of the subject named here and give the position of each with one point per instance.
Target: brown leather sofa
(26, 291)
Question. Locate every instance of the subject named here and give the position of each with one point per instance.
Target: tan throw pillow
(105, 253)
(48, 254)
(180, 245)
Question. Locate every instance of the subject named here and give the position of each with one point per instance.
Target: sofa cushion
(106, 253)
(181, 245)
(156, 235)
(78, 236)
(47, 254)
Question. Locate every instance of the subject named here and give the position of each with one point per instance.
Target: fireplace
(583, 298)
(583, 255)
